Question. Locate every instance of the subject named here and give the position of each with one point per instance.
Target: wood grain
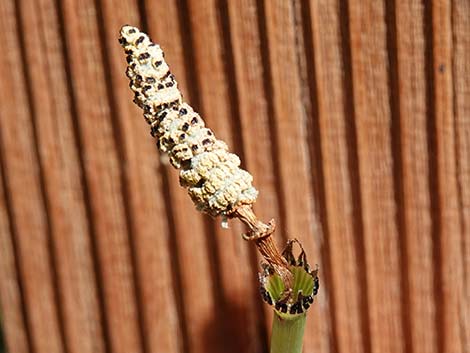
(100, 160)
(352, 116)
(252, 103)
(449, 255)
(373, 122)
(59, 160)
(411, 143)
(290, 138)
(461, 92)
(339, 168)
(11, 295)
(23, 188)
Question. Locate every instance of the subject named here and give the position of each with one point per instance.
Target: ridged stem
(261, 234)
(287, 334)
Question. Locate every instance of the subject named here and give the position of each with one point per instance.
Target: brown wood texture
(352, 116)
(28, 218)
(59, 161)
(412, 148)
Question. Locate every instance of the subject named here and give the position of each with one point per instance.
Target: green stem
(287, 334)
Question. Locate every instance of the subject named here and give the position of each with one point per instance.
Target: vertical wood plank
(373, 121)
(23, 185)
(341, 205)
(100, 159)
(416, 204)
(213, 57)
(450, 286)
(11, 304)
(62, 175)
(252, 104)
(461, 91)
(83, 189)
(146, 200)
(168, 24)
(291, 150)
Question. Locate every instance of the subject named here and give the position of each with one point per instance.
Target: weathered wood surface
(353, 117)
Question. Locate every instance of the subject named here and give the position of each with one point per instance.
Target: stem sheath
(287, 334)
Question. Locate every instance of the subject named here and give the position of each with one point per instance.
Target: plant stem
(261, 234)
(287, 334)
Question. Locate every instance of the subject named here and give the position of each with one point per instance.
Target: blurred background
(352, 116)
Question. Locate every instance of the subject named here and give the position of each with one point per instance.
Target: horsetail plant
(217, 185)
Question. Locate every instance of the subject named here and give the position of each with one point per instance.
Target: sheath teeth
(215, 182)
(290, 302)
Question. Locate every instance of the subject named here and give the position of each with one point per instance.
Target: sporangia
(216, 183)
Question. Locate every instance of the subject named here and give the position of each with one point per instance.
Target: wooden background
(353, 117)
